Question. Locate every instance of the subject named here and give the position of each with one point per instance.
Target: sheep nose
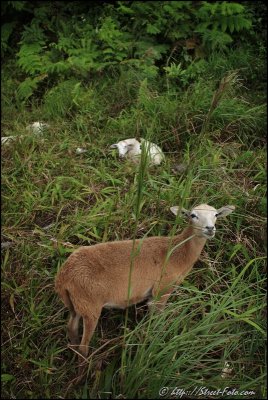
(210, 228)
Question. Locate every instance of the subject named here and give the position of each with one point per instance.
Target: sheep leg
(89, 325)
(72, 328)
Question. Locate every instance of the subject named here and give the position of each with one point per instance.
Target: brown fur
(96, 275)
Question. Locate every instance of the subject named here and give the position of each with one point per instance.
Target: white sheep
(96, 277)
(7, 139)
(37, 127)
(132, 149)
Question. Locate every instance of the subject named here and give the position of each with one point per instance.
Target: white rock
(79, 150)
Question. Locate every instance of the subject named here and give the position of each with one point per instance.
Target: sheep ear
(175, 210)
(224, 211)
(113, 146)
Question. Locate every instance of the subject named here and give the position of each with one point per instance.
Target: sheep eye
(216, 215)
(193, 216)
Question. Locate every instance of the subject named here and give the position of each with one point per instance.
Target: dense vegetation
(191, 77)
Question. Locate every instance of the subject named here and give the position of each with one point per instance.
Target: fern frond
(26, 88)
(6, 31)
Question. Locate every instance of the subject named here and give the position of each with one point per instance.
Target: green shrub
(80, 40)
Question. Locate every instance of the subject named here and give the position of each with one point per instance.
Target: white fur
(132, 149)
(203, 218)
(6, 139)
(37, 127)
(155, 153)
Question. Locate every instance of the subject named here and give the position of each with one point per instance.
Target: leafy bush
(64, 39)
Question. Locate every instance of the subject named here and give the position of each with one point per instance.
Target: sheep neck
(189, 251)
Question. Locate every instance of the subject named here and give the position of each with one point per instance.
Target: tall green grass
(54, 201)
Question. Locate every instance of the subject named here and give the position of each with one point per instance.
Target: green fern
(58, 68)
(27, 88)
(17, 5)
(6, 31)
(224, 16)
(29, 58)
(216, 40)
(78, 40)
